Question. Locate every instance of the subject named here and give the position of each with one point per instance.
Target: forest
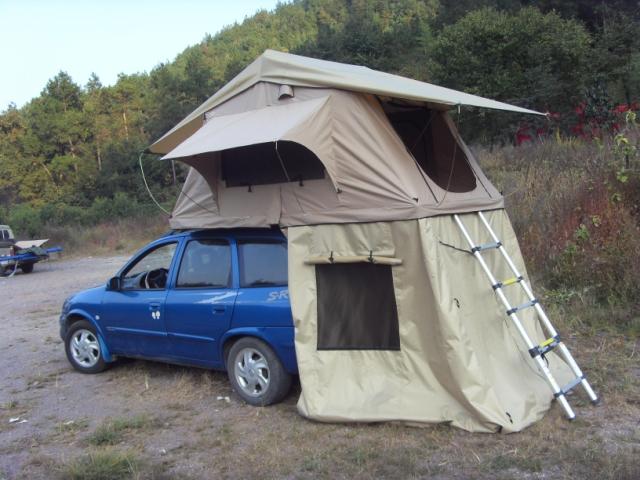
(70, 155)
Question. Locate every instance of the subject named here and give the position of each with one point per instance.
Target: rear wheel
(83, 348)
(26, 267)
(256, 373)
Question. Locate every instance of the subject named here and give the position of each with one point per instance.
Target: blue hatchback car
(209, 298)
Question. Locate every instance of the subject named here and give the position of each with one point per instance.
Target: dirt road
(163, 421)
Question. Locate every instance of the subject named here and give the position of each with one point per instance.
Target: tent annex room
(363, 170)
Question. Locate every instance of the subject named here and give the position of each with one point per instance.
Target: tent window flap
(356, 307)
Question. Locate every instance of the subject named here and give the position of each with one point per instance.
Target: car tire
(83, 348)
(256, 373)
(27, 268)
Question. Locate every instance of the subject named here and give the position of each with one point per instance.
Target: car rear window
(205, 263)
(262, 263)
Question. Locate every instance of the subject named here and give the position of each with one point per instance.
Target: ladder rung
(486, 246)
(507, 282)
(530, 303)
(546, 346)
(569, 386)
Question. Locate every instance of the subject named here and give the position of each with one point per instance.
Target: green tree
(616, 54)
(528, 58)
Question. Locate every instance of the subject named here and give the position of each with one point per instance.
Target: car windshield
(151, 269)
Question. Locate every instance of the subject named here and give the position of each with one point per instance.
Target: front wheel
(83, 348)
(256, 373)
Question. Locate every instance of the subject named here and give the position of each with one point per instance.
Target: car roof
(227, 232)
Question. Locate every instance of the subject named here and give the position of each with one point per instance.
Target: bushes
(25, 220)
(30, 221)
(575, 208)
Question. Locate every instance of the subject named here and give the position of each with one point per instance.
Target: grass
(102, 465)
(574, 207)
(112, 236)
(112, 431)
(72, 426)
(9, 405)
(42, 380)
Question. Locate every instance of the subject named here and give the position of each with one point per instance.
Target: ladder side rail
(566, 354)
(555, 387)
(523, 283)
(492, 279)
(577, 372)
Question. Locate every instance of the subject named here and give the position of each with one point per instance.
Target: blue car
(216, 299)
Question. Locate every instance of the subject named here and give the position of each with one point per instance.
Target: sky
(39, 38)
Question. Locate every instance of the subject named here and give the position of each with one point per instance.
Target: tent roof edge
(284, 68)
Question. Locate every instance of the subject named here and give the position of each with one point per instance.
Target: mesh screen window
(356, 307)
(428, 138)
(259, 164)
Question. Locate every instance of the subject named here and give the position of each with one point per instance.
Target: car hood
(89, 296)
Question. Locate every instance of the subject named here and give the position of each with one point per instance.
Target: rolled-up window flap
(333, 258)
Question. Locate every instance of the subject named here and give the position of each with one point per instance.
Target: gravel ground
(178, 422)
(58, 408)
(35, 379)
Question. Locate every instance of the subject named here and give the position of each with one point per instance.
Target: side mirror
(114, 284)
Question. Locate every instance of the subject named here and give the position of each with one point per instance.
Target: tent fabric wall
(460, 361)
(371, 176)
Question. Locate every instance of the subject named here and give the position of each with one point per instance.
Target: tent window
(259, 164)
(429, 139)
(356, 307)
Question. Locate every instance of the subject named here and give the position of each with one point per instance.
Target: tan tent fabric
(371, 175)
(283, 68)
(394, 319)
(268, 124)
(460, 360)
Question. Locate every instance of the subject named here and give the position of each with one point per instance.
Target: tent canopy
(324, 156)
(284, 68)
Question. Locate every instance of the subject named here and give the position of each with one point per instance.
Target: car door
(133, 316)
(200, 305)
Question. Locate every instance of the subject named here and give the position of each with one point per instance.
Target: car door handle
(219, 309)
(154, 306)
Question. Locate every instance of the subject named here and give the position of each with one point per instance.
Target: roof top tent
(356, 164)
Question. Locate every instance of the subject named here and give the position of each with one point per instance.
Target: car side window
(205, 264)
(151, 270)
(262, 263)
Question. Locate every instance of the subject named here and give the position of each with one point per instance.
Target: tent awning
(263, 125)
(296, 70)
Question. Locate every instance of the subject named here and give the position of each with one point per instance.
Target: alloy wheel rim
(85, 348)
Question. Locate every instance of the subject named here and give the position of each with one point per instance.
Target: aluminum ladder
(537, 352)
